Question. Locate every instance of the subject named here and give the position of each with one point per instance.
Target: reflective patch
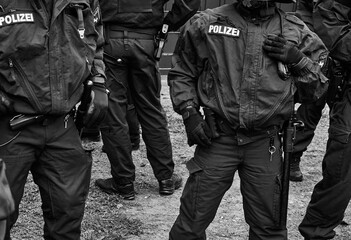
(15, 18)
(224, 30)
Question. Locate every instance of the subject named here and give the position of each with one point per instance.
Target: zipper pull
(12, 70)
(271, 149)
(65, 120)
(81, 26)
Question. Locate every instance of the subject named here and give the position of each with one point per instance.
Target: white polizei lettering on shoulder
(223, 30)
(16, 18)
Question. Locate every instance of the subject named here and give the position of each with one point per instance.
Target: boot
(168, 186)
(295, 172)
(110, 186)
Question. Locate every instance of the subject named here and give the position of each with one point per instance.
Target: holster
(210, 119)
(338, 81)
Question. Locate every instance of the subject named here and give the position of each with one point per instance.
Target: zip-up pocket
(19, 76)
(280, 104)
(71, 90)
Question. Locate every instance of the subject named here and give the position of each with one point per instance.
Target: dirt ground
(150, 216)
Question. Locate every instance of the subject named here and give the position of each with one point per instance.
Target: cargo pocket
(339, 135)
(191, 191)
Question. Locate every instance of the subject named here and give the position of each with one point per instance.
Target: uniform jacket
(147, 14)
(44, 60)
(219, 63)
(332, 24)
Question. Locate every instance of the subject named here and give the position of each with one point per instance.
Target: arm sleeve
(186, 67)
(98, 64)
(309, 78)
(182, 11)
(332, 24)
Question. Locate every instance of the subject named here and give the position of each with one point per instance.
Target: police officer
(243, 61)
(331, 195)
(49, 49)
(130, 30)
(309, 113)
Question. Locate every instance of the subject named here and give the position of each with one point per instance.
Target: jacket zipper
(220, 102)
(15, 68)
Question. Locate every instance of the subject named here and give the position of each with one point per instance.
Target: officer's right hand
(6, 105)
(195, 127)
(282, 50)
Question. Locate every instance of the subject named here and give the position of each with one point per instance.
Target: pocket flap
(339, 135)
(192, 166)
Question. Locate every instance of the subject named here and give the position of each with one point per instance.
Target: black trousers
(332, 194)
(211, 174)
(52, 151)
(310, 114)
(131, 67)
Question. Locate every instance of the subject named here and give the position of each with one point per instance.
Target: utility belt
(113, 31)
(223, 127)
(21, 121)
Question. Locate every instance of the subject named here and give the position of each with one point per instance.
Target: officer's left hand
(282, 50)
(196, 127)
(98, 106)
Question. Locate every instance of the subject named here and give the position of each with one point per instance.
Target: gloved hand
(282, 50)
(6, 106)
(98, 105)
(195, 127)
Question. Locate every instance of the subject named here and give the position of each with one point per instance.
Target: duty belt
(116, 32)
(20, 121)
(244, 136)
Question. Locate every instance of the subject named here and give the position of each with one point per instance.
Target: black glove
(195, 127)
(282, 50)
(98, 105)
(6, 105)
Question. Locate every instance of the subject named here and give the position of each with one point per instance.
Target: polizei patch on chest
(224, 30)
(16, 17)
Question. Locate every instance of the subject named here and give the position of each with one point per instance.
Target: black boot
(168, 186)
(295, 172)
(110, 186)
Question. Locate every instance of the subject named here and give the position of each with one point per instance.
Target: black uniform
(48, 50)
(332, 194)
(308, 113)
(130, 29)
